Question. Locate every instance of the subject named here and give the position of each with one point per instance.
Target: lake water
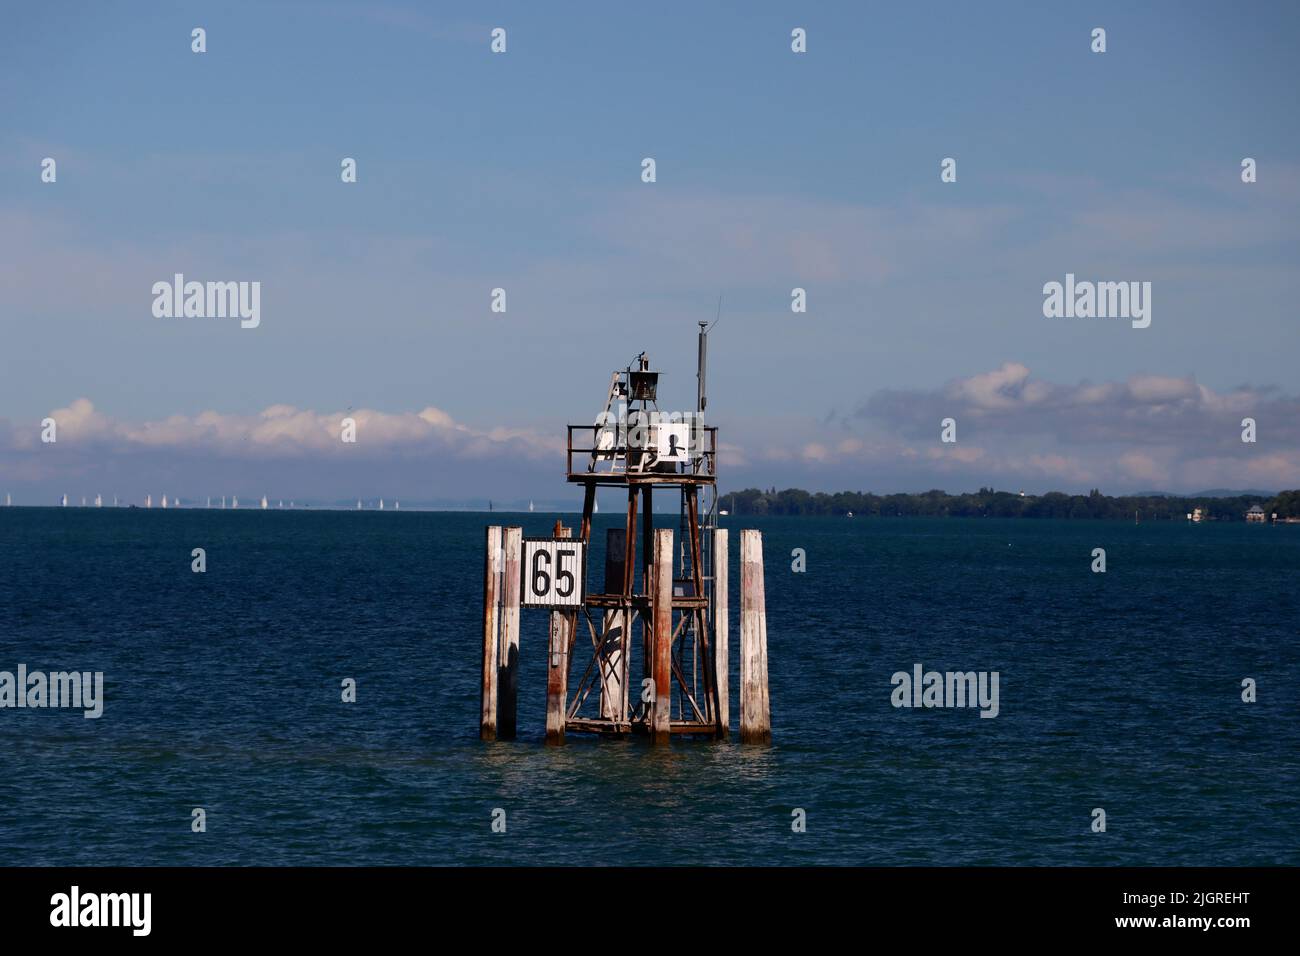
(222, 691)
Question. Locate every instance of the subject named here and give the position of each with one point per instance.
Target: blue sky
(522, 171)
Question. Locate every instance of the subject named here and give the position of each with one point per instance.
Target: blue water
(1118, 690)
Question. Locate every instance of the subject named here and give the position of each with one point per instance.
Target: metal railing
(599, 454)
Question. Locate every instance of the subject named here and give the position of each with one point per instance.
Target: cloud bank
(1146, 431)
(1013, 431)
(281, 451)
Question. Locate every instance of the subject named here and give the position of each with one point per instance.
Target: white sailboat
(595, 506)
(530, 506)
(164, 499)
(263, 502)
(65, 501)
(381, 504)
(8, 500)
(234, 502)
(397, 506)
(358, 504)
(209, 501)
(99, 501)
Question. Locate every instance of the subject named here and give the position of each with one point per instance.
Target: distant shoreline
(988, 503)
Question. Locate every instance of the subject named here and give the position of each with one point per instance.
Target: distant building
(1256, 513)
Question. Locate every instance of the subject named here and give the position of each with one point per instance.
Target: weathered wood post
(508, 662)
(647, 576)
(614, 625)
(557, 664)
(491, 623)
(721, 626)
(626, 617)
(615, 559)
(663, 636)
(755, 715)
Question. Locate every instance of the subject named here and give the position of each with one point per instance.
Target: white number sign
(554, 572)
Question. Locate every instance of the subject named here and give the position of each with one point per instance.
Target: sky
(522, 170)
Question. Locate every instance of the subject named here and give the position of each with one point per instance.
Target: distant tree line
(1002, 504)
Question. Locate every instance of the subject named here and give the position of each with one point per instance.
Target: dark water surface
(1119, 690)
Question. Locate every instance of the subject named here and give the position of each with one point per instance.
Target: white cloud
(284, 431)
(1149, 431)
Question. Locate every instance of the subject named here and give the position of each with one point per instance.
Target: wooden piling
(491, 623)
(508, 661)
(557, 664)
(721, 626)
(755, 714)
(647, 573)
(626, 616)
(663, 635)
(629, 568)
(615, 559)
(588, 502)
(647, 534)
(557, 677)
(613, 689)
